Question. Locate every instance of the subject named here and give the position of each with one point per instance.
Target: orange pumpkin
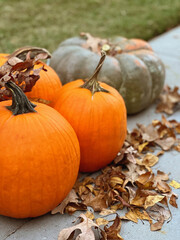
(39, 157)
(48, 85)
(97, 113)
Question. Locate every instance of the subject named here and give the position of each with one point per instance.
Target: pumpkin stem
(20, 103)
(92, 84)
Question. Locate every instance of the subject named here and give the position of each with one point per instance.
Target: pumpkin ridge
(53, 123)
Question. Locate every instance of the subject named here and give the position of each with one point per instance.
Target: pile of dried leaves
(19, 68)
(128, 182)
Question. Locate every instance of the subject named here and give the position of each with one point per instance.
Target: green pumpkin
(131, 67)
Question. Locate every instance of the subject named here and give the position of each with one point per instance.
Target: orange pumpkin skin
(3, 58)
(99, 121)
(48, 85)
(39, 159)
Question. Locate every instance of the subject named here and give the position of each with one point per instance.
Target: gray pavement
(47, 227)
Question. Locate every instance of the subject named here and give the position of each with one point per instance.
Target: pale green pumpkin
(131, 67)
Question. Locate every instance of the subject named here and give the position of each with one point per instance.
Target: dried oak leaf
(93, 43)
(131, 174)
(149, 133)
(126, 154)
(98, 203)
(85, 228)
(71, 201)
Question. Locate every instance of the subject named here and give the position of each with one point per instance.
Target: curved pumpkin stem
(92, 83)
(20, 103)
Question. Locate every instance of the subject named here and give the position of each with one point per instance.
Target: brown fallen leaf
(71, 198)
(166, 143)
(169, 99)
(85, 228)
(113, 231)
(131, 215)
(93, 43)
(157, 210)
(152, 200)
(172, 200)
(149, 133)
(98, 202)
(157, 225)
(146, 181)
(143, 215)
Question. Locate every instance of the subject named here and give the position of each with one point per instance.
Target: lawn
(46, 23)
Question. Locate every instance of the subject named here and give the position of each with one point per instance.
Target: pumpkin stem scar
(20, 103)
(92, 83)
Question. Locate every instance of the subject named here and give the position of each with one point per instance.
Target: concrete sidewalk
(47, 227)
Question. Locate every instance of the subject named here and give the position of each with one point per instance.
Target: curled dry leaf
(71, 200)
(160, 214)
(169, 100)
(113, 231)
(19, 68)
(172, 200)
(157, 225)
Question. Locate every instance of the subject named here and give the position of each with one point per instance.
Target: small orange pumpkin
(47, 87)
(39, 157)
(97, 113)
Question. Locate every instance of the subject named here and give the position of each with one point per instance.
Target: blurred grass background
(45, 23)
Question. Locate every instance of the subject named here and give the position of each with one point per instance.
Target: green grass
(45, 23)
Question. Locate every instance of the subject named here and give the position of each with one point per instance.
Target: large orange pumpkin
(97, 113)
(39, 157)
(47, 87)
